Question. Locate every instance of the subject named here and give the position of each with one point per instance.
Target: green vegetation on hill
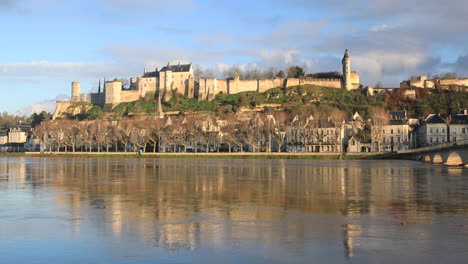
(429, 101)
(290, 97)
(295, 98)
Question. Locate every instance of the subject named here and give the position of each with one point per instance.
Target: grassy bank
(298, 156)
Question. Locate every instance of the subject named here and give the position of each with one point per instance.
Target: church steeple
(99, 86)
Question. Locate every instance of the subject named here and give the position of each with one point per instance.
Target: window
(391, 131)
(464, 130)
(383, 139)
(430, 139)
(454, 130)
(454, 139)
(437, 139)
(443, 130)
(443, 139)
(430, 130)
(398, 131)
(437, 130)
(398, 139)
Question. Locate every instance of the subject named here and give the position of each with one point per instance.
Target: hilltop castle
(180, 79)
(424, 82)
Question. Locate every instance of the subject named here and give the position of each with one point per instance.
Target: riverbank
(232, 155)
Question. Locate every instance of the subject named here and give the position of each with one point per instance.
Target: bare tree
(234, 71)
(379, 117)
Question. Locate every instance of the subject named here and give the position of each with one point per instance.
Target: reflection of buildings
(182, 204)
(13, 171)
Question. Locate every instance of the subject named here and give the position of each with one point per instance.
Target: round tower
(346, 71)
(76, 87)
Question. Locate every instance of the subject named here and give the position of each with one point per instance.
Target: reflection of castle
(180, 79)
(167, 202)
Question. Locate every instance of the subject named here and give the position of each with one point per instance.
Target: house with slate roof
(432, 131)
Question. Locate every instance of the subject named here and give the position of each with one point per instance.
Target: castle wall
(267, 84)
(245, 85)
(93, 98)
(223, 86)
(113, 92)
(210, 87)
(60, 107)
(98, 98)
(330, 83)
(355, 78)
(458, 81)
(85, 98)
(429, 84)
(423, 82)
(292, 82)
(129, 96)
(190, 88)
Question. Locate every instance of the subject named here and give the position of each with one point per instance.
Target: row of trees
(252, 73)
(276, 131)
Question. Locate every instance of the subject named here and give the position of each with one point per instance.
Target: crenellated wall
(210, 87)
(423, 82)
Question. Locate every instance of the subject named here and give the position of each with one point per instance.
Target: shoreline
(222, 155)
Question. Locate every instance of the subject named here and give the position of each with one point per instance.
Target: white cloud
(380, 28)
(48, 106)
(39, 70)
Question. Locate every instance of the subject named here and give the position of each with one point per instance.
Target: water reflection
(277, 210)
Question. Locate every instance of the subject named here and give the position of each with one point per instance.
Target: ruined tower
(76, 86)
(346, 61)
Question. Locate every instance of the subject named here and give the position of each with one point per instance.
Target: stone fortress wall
(180, 79)
(424, 82)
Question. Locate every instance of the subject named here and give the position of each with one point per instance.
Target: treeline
(255, 73)
(7, 120)
(446, 102)
(256, 132)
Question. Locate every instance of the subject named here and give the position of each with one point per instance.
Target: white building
(459, 127)
(3, 139)
(432, 131)
(17, 136)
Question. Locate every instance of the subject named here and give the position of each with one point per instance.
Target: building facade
(433, 131)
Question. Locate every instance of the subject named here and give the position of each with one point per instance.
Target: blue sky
(47, 44)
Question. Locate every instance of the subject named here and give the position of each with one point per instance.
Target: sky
(47, 44)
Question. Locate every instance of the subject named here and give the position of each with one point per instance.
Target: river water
(231, 211)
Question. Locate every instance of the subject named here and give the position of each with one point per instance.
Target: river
(74, 210)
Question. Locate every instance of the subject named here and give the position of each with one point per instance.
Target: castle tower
(76, 87)
(346, 61)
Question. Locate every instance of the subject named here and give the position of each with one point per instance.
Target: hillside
(288, 99)
(283, 98)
